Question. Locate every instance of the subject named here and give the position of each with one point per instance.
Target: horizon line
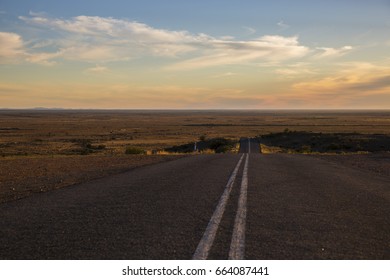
(192, 109)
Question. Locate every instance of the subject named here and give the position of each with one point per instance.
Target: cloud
(11, 48)
(372, 84)
(295, 70)
(99, 40)
(332, 52)
(354, 78)
(97, 69)
(227, 38)
(266, 48)
(43, 58)
(91, 37)
(282, 25)
(249, 30)
(353, 85)
(227, 74)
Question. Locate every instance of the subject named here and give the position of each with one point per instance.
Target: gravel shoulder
(23, 176)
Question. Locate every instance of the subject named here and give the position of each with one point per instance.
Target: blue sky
(195, 54)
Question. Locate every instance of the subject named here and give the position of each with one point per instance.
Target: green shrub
(305, 149)
(135, 151)
(219, 145)
(215, 143)
(223, 149)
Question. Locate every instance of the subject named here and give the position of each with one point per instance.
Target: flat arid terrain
(92, 184)
(49, 149)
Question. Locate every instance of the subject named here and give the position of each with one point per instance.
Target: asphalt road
(277, 207)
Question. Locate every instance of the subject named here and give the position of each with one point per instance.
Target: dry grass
(270, 149)
(63, 132)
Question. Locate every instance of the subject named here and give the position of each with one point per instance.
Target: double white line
(237, 246)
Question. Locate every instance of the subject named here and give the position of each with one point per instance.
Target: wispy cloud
(373, 84)
(266, 48)
(296, 70)
(108, 39)
(44, 58)
(98, 39)
(225, 75)
(355, 78)
(97, 70)
(249, 30)
(282, 25)
(226, 38)
(13, 50)
(333, 52)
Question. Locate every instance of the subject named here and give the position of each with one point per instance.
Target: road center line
(204, 246)
(237, 246)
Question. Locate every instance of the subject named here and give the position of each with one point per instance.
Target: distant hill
(44, 108)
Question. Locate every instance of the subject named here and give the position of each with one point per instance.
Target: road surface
(224, 206)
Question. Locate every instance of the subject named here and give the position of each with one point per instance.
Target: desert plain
(42, 150)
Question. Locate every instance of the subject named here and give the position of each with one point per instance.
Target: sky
(205, 54)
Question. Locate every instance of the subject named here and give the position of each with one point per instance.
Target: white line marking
(237, 246)
(204, 246)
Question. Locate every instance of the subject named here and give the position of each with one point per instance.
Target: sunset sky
(175, 54)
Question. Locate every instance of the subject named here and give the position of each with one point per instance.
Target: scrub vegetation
(216, 145)
(310, 142)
